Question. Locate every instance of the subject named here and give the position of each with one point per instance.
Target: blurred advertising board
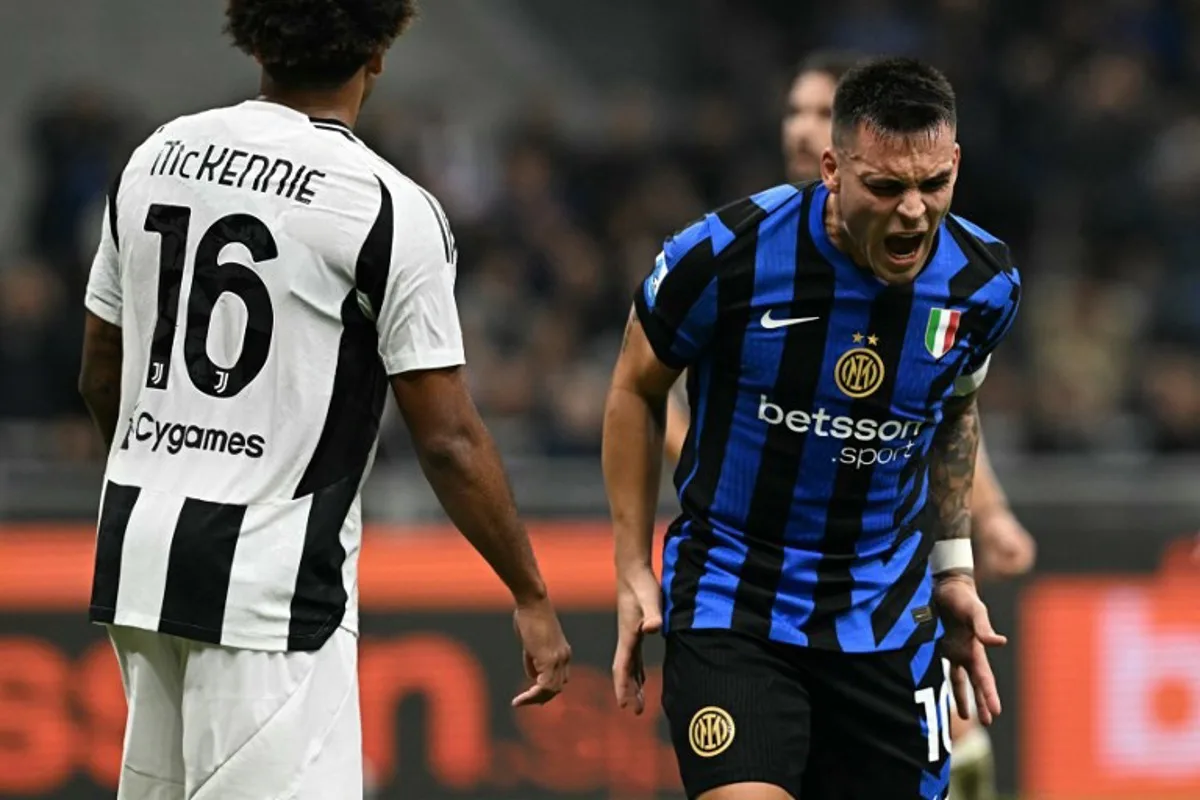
(439, 664)
(1110, 679)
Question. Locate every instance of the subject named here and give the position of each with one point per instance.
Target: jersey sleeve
(975, 372)
(103, 297)
(677, 302)
(417, 318)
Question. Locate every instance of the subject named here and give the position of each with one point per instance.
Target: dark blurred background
(567, 139)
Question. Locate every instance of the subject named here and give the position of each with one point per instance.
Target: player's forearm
(987, 497)
(100, 375)
(466, 473)
(632, 454)
(952, 470)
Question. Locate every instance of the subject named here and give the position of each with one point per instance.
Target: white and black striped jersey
(268, 272)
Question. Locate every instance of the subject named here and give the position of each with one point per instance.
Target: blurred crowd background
(1079, 119)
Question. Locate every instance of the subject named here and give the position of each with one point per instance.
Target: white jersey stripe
(261, 582)
(146, 551)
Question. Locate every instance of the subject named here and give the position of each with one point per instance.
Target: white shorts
(215, 723)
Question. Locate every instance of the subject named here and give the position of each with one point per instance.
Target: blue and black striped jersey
(815, 390)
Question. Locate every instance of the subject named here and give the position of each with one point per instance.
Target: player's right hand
(968, 633)
(545, 651)
(639, 611)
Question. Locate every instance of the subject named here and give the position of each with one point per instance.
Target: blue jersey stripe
(921, 660)
(773, 198)
(670, 559)
(774, 271)
(722, 237)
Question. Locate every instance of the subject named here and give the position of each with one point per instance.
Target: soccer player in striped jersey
(817, 593)
(263, 279)
(1005, 549)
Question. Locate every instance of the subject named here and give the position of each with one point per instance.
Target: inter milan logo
(711, 731)
(859, 372)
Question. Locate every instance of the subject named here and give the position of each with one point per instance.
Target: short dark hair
(315, 44)
(834, 63)
(893, 96)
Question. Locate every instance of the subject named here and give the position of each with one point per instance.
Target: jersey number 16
(210, 279)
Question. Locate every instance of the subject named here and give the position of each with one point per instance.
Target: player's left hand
(1005, 549)
(544, 651)
(968, 633)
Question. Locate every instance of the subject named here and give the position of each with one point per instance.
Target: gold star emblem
(858, 337)
(873, 340)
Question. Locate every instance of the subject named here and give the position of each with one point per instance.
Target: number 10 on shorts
(937, 713)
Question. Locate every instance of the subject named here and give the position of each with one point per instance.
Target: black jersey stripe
(118, 505)
(198, 569)
(890, 313)
(985, 261)
(991, 255)
(113, 191)
(901, 593)
(443, 223)
(319, 598)
(795, 387)
(359, 381)
(333, 126)
(374, 264)
(735, 290)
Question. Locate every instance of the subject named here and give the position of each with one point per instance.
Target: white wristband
(951, 554)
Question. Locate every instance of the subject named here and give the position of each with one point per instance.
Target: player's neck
(342, 104)
(835, 229)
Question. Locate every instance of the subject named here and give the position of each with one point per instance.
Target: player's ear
(374, 65)
(829, 171)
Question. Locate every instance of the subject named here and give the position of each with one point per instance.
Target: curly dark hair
(893, 95)
(315, 43)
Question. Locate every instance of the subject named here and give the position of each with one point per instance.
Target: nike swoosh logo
(771, 324)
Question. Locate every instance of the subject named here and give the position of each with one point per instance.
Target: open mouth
(903, 246)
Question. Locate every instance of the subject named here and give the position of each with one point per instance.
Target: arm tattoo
(952, 469)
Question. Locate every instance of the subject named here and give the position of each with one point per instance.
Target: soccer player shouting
(835, 334)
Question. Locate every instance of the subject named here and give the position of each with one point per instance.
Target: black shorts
(823, 725)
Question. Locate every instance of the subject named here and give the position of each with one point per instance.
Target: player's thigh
(337, 768)
(738, 714)
(889, 710)
(152, 673)
(270, 724)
